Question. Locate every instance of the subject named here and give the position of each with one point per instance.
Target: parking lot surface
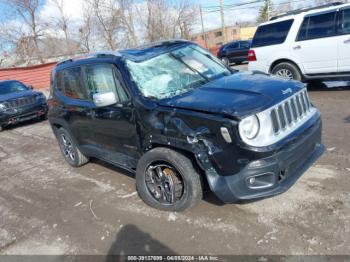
(48, 207)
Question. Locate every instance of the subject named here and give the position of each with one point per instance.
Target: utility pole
(203, 32)
(268, 9)
(223, 21)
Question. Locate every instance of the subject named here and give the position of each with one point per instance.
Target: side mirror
(31, 87)
(104, 99)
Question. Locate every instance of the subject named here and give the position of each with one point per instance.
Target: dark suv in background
(19, 103)
(234, 52)
(177, 117)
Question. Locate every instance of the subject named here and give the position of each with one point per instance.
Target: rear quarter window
(272, 34)
(70, 82)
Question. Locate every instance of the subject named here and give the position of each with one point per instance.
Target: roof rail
(298, 11)
(100, 54)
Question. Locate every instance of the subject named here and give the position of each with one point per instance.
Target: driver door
(113, 126)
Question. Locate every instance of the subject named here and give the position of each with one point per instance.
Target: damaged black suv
(181, 120)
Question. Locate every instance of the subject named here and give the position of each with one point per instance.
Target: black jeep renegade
(177, 117)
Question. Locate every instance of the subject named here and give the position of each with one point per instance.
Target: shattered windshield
(175, 72)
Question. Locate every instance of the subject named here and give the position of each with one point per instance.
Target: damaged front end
(234, 171)
(251, 139)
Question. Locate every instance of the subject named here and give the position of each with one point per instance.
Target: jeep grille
(290, 112)
(24, 101)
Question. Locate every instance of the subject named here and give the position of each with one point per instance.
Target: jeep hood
(16, 95)
(238, 95)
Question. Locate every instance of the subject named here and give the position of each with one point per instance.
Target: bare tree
(107, 14)
(186, 17)
(28, 10)
(169, 19)
(127, 20)
(86, 29)
(62, 20)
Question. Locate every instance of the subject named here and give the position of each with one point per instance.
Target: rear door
(316, 44)
(244, 49)
(344, 41)
(74, 106)
(232, 51)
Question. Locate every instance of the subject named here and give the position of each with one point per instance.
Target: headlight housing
(41, 96)
(249, 127)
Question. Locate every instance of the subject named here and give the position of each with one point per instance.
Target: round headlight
(249, 127)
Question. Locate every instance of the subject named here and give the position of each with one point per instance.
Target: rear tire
(288, 71)
(179, 172)
(69, 149)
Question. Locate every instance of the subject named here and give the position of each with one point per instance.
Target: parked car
(177, 117)
(306, 45)
(19, 103)
(234, 52)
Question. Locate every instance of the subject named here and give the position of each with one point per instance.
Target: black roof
(137, 54)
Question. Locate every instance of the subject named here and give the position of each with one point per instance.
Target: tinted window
(245, 45)
(318, 26)
(232, 46)
(12, 87)
(60, 81)
(272, 34)
(102, 79)
(70, 83)
(345, 21)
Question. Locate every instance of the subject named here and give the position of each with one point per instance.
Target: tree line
(28, 38)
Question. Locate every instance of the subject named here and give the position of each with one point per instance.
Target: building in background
(247, 33)
(215, 37)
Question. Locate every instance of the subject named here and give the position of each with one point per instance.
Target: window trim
(335, 25)
(259, 46)
(116, 75)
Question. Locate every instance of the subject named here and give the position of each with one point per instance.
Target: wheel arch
(285, 60)
(188, 153)
(57, 124)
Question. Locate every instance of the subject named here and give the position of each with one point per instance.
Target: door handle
(347, 41)
(297, 47)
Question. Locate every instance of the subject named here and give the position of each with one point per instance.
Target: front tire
(69, 149)
(168, 180)
(287, 71)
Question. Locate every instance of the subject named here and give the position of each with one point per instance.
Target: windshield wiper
(189, 67)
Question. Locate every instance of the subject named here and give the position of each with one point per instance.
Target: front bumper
(20, 115)
(272, 175)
